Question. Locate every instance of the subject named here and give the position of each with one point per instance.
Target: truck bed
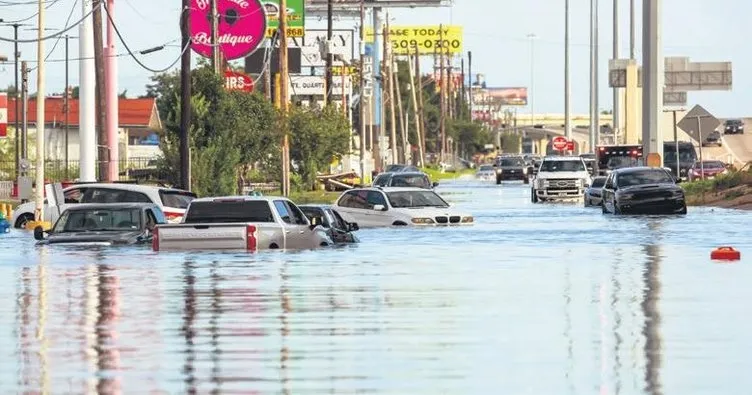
(221, 236)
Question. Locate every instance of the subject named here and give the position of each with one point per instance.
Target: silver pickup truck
(241, 223)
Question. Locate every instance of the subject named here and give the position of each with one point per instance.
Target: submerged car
(412, 179)
(485, 172)
(593, 192)
(339, 230)
(104, 224)
(376, 207)
(512, 168)
(642, 190)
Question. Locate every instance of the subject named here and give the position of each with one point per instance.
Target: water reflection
(542, 299)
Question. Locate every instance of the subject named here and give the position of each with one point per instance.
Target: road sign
(235, 81)
(570, 146)
(560, 143)
(698, 121)
(295, 17)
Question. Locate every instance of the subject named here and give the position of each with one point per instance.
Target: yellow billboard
(429, 39)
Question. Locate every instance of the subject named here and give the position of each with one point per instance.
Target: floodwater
(533, 299)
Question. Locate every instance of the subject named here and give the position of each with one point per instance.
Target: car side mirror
(435, 184)
(352, 227)
(379, 207)
(39, 233)
(678, 180)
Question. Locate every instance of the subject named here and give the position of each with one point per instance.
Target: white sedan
(486, 172)
(377, 207)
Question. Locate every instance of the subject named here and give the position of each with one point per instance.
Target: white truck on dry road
(241, 223)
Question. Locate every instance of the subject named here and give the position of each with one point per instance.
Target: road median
(731, 190)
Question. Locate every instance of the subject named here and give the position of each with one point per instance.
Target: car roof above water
(627, 170)
(563, 158)
(109, 206)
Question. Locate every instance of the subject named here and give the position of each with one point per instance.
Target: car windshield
(511, 162)
(416, 199)
(417, 181)
(229, 211)
(486, 168)
(598, 182)
(733, 122)
(643, 177)
(710, 165)
(107, 219)
(392, 168)
(562, 165)
(175, 198)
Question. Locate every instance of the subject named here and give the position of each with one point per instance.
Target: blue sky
(494, 30)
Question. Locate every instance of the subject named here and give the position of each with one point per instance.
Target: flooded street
(538, 299)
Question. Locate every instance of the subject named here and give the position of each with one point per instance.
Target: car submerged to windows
(339, 230)
(379, 207)
(593, 193)
(642, 190)
(404, 179)
(485, 172)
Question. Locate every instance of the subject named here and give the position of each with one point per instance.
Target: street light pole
(567, 85)
(532, 37)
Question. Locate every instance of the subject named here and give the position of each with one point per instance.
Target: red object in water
(725, 254)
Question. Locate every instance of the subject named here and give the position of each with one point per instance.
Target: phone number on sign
(291, 31)
(452, 46)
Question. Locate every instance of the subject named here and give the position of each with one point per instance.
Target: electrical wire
(47, 7)
(61, 60)
(51, 36)
(133, 56)
(67, 21)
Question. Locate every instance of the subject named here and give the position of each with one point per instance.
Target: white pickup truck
(241, 223)
(560, 178)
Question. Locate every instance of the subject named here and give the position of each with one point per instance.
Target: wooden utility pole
(328, 85)
(398, 94)
(389, 74)
(102, 143)
(24, 112)
(363, 93)
(185, 97)
(66, 108)
(442, 82)
(420, 114)
(216, 58)
(414, 93)
(283, 82)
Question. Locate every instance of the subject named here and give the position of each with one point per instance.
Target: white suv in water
(559, 178)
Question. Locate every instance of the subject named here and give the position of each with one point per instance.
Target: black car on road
(642, 190)
(105, 224)
(339, 230)
(733, 126)
(712, 138)
(512, 168)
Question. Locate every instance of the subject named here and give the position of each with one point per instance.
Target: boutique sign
(241, 27)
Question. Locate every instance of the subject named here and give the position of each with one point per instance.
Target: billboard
(353, 5)
(508, 96)
(343, 41)
(242, 26)
(430, 39)
(313, 85)
(295, 17)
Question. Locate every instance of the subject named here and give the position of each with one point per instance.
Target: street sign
(570, 146)
(698, 121)
(295, 17)
(235, 81)
(560, 143)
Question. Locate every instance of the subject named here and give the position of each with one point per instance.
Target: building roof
(133, 113)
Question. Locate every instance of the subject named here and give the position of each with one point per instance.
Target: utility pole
(593, 93)
(25, 110)
(41, 93)
(216, 54)
(532, 37)
(596, 42)
(414, 93)
(442, 82)
(87, 97)
(16, 55)
(632, 29)
(329, 55)
(362, 93)
(617, 91)
(389, 74)
(470, 81)
(283, 84)
(421, 116)
(567, 84)
(652, 77)
(398, 94)
(185, 97)
(101, 105)
(111, 90)
(66, 108)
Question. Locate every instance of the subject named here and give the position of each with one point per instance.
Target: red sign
(235, 81)
(570, 146)
(242, 27)
(560, 143)
(3, 114)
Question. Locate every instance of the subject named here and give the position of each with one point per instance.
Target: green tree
(316, 137)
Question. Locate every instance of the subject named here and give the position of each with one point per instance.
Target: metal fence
(58, 170)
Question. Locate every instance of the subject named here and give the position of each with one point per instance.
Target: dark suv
(404, 179)
(512, 168)
(733, 126)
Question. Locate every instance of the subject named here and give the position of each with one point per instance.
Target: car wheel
(603, 208)
(22, 220)
(683, 210)
(498, 181)
(526, 181)
(533, 196)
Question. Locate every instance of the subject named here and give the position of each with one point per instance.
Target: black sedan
(104, 224)
(339, 230)
(713, 138)
(642, 190)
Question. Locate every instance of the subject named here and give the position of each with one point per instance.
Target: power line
(67, 21)
(55, 35)
(47, 7)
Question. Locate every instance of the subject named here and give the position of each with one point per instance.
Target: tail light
(250, 238)
(155, 239)
(173, 216)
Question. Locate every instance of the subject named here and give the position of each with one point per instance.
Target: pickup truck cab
(560, 178)
(241, 223)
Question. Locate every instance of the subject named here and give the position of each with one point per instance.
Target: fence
(57, 170)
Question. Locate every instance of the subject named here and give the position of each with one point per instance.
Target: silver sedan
(592, 195)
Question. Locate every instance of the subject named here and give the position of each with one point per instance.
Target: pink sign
(242, 26)
(3, 114)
